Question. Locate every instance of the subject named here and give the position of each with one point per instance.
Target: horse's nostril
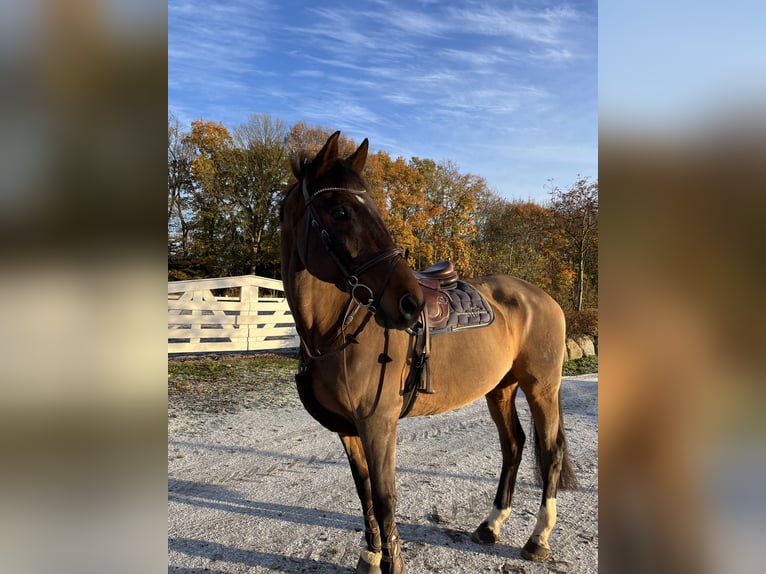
(409, 306)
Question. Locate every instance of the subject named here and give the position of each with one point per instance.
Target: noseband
(351, 276)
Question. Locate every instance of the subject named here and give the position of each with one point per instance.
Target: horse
(355, 300)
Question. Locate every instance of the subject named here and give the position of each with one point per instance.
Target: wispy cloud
(219, 40)
(417, 77)
(411, 22)
(552, 55)
(480, 59)
(333, 30)
(540, 26)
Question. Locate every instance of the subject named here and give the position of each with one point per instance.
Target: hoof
(369, 563)
(535, 552)
(483, 535)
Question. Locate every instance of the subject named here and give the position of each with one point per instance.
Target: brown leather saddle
(450, 305)
(435, 281)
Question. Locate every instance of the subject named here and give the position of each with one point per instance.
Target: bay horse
(353, 297)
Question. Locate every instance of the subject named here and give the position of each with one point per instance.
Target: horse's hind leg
(369, 561)
(551, 455)
(502, 406)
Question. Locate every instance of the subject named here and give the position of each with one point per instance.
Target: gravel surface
(256, 485)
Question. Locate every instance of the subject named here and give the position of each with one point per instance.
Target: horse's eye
(340, 214)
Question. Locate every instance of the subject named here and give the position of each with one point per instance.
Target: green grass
(180, 369)
(211, 365)
(583, 366)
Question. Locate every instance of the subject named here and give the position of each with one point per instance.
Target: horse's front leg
(369, 561)
(378, 436)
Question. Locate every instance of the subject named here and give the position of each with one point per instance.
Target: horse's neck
(317, 308)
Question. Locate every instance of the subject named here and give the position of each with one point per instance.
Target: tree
(521, 239)
(310, 139)
(576, 211)
(454, 198)
(215, 238)
(261, 176)
(399, 190)
(180, 188)
(224, 189)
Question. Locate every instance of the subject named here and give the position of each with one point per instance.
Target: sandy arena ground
(269, 490)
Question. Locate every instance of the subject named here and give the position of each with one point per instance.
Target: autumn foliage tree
(310, 139)
(212, 179)
(261, 178)
(399, 189)
(235, 181)
(456, 199)
(225, 186)
(521, 239)
(576, 215)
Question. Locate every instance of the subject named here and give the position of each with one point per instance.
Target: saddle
(435, 281)
(450, 305)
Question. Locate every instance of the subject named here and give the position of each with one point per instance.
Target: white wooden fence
(241, 320)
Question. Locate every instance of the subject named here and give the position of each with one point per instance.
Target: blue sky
(505, 90)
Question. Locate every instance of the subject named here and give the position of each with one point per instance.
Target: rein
(358, 292)
(347, 339)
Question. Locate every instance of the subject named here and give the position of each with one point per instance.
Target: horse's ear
(328, 153)
(359, 157)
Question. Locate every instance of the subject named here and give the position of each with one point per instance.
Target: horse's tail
(567, 477)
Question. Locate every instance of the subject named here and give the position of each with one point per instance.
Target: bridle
(355, 287)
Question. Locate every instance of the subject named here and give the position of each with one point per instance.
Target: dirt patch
(268, 489)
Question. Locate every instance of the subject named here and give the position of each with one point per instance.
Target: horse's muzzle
(409, 308)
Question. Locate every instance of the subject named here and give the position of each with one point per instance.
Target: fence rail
(236, 318)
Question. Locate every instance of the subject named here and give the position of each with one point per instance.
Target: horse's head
(337, 231)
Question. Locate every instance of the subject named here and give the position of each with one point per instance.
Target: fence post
(249, 301)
